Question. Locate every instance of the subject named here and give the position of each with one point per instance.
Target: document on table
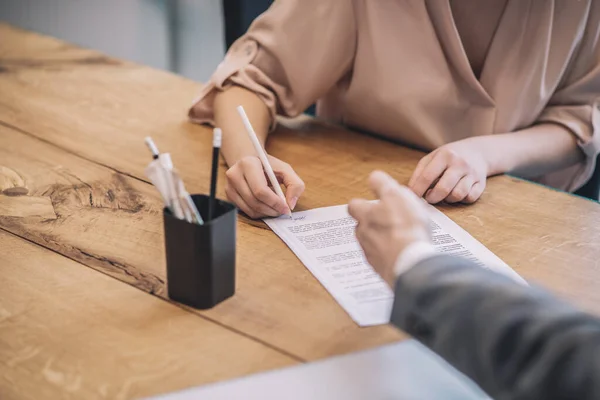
(323, 239)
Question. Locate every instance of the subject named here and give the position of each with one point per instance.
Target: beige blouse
(400, 69)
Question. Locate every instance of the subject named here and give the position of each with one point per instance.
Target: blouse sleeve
(576, 106)
(291, 55)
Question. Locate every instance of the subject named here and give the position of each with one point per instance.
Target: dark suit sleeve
(516, 342)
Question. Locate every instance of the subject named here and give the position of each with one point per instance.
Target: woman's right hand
(249, 188)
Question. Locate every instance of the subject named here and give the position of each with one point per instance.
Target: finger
(394, 197)
(445, 185)
(368, 242)
(423, 162)
(461, 190)
(475, 193)
(237, 181)
(429, 175)
(358, 209)
(294, 186)
(364, 240)
(427, 194)
(259, 190)
(253, 202)
(235, 197)
(410, 200)
(381, 183)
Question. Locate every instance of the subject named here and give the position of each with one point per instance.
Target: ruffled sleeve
(290, 56)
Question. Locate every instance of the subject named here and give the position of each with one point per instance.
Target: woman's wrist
(233, 155)
(497, 152)
(236, 143)
(494, 152)
(532, 151)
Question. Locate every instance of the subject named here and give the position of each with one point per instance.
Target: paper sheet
(323, 239)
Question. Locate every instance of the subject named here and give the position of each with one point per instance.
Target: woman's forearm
(236, 143)
(532, 151)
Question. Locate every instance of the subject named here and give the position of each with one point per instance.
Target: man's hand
(455, 172)
(387, 227)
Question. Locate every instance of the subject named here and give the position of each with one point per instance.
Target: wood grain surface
(113, 223)
(277, 299)
(69, 332)
(90, 118)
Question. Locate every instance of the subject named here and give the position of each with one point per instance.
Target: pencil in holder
(201, 258)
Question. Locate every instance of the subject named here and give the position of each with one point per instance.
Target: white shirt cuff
(412, 255)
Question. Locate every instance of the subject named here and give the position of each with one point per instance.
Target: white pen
(163, 162)
(188, 204)
(262, 155)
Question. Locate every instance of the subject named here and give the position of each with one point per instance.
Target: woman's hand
(455, 172)
(248, 187)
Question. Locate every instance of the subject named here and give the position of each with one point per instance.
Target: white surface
(450, 238)
(323, 239)
(405, 370)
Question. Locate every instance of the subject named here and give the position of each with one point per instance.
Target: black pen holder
(201, 258)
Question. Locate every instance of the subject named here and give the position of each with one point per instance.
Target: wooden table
(78, 219)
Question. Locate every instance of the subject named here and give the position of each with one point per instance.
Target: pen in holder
(201, 258)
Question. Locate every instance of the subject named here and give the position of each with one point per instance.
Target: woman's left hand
(455, 172)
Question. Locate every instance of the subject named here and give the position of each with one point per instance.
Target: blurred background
(188, 37)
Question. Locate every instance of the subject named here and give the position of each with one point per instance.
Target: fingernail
(283, 209)
(293, 202)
